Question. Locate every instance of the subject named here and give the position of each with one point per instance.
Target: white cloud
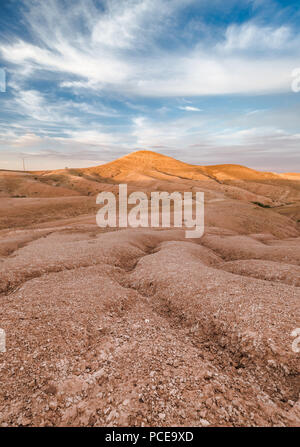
(251, 36)
(190, 109)
(118, 50)
(89, 137)
(27, 140)
(96, 66)
(171, 133)
(200, 73)
(120, 25)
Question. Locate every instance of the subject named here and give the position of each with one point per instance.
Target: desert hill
(146, 168)
(237, 198)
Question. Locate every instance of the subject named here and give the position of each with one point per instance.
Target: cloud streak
(117, 49)
(112, 76)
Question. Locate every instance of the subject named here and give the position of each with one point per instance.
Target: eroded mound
(144, 327)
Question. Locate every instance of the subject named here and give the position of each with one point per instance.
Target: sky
(204, 81)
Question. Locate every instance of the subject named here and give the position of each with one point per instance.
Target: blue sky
(204, 81)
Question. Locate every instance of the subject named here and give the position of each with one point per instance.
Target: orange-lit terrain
(142, 326)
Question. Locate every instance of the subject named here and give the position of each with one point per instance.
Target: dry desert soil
(143, 327)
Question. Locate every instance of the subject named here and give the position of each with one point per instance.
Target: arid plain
(143, 327)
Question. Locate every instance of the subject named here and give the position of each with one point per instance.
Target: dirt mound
(267, 270)
(16, 184)
(141, 327)
(231, 248)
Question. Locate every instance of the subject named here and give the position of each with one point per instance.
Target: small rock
(204, 423)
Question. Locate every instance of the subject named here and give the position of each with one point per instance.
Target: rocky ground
(142, 327)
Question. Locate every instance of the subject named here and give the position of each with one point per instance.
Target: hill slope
(236, 197)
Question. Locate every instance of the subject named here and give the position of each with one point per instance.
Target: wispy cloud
(117, 49)
(190, 109)
(251, 36)
(114, 75)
